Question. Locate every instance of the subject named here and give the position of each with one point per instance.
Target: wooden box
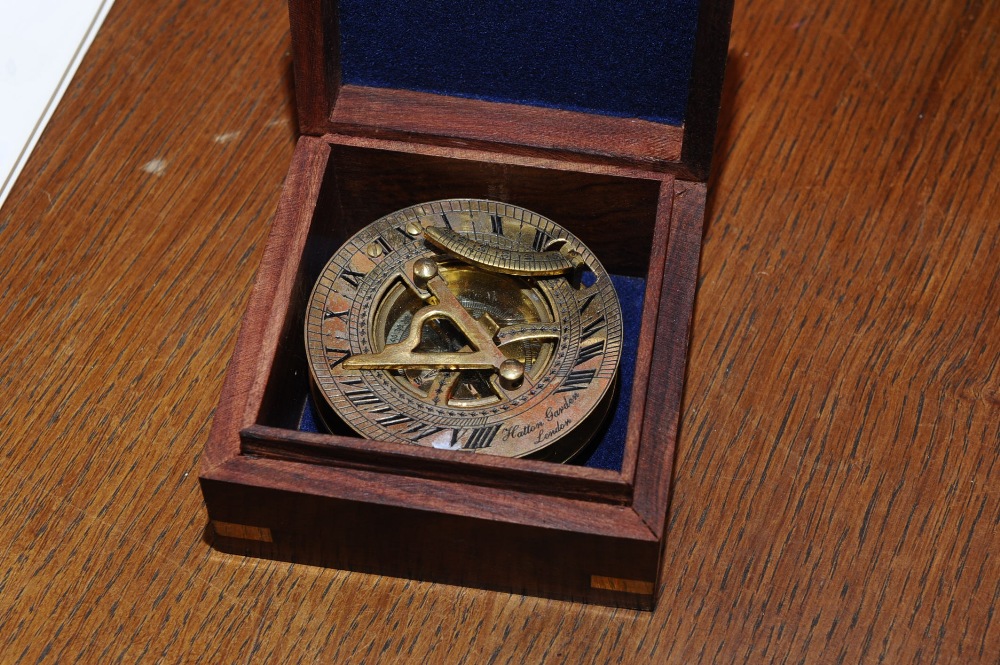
(633, 190)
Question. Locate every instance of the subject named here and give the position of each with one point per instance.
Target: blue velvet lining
(611, 57)
(609, 449)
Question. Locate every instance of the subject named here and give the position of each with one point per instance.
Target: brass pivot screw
(511, 373)
(423, 270)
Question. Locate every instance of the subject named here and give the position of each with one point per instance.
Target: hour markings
(480, 438)
(362, 397)
(402, 232)
(386, 247)
(344, 355)
(590, 351)
(573, 334)
(394, 419)
(592, 327)
(541, 240)
(351, 277)
(421, 431)
(578, 379)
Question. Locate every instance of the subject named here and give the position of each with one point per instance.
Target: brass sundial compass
(466, 324)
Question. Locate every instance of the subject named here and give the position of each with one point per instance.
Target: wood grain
(832, 496)
(514, 128)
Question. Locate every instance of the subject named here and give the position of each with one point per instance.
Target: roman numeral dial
(465, 325)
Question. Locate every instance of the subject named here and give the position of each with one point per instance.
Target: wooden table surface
(833, 498)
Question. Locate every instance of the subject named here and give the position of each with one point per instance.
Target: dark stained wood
(266, 321)
(315, 36)
(644, 371)
(668, 360)
(383, 539)
(454, 121)
(260, 472)
(833, 493)
(612, 209)
(711, 52)
(350, 451)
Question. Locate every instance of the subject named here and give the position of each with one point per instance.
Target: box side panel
(673, 329)
(707, 78)
(403, 542)
(512, 128)
(316, 61)
(240, 392)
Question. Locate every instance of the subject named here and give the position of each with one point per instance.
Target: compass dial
(466, 324)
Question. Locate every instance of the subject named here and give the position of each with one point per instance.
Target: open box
(633, 190)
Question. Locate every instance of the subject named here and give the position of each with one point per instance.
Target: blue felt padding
(611, 57)
(308, 422)
(608, 451)
(610, 448)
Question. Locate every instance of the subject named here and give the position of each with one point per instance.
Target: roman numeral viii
(481, 437)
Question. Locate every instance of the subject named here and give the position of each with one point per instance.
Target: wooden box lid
(636, 83)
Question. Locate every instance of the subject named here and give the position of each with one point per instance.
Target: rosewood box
(599, 116)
